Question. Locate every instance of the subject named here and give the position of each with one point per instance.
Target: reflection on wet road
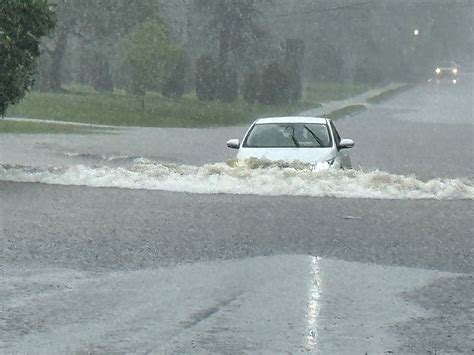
(274, 304)
(315, 287)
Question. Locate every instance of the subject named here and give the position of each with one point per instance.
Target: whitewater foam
(100, 157)
(255, 177)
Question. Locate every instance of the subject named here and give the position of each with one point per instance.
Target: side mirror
(233, 143)
(345, 144)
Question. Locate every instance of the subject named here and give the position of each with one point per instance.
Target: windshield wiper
(294, 139)
(316, 138)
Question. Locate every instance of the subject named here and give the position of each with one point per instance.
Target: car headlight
(455, 71)
(438, 70)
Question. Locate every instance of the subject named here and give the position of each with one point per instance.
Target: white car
(311, 140)
(447, 72)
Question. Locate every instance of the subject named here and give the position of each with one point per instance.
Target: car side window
(337, 137)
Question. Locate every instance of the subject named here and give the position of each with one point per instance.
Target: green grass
(24, 127)
(388, 94)
(346, 111)
(120, 109)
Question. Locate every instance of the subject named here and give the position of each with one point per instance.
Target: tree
(22, 25)
(274, 89)
(233, 23)
(102, 78)
(227, 84)
(326, 62)
(250, 87)
(206, 78)
(93, 28)
(175, 80)
(150, 55)
(294, 55)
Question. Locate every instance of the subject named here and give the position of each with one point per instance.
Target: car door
(342, 154)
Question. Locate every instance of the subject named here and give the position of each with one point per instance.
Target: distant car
(311, 140)
(447, 72)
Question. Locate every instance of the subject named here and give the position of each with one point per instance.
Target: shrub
(150, 55)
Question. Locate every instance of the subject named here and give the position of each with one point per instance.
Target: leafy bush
(22, 25)
(150, 55)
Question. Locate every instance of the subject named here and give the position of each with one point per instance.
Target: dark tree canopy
(309, 41)
(22, 25)
(227, 84)
(232, 23)
(175, 81)
(206, 78)
(250, 87)
(92, 28)
(275, 84)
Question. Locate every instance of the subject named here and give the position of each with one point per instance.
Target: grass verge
(346, 111)
(388, 94)
(25, 127)
(120, 109)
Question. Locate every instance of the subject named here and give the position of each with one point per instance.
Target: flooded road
(426, 131)
(240, 257)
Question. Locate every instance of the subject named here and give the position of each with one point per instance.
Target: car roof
(448, 64)
(292, 119)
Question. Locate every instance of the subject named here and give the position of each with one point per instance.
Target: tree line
(257, 49)
(170, 47)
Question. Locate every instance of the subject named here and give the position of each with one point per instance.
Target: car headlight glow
(455, 71)
(438, 70)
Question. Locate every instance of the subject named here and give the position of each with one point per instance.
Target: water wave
(100, 157)
(255, 177)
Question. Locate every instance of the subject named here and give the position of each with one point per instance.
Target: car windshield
(447, 65)
(289, 135)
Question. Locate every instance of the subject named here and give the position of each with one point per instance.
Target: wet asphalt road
(426, 131)
(89, 228)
